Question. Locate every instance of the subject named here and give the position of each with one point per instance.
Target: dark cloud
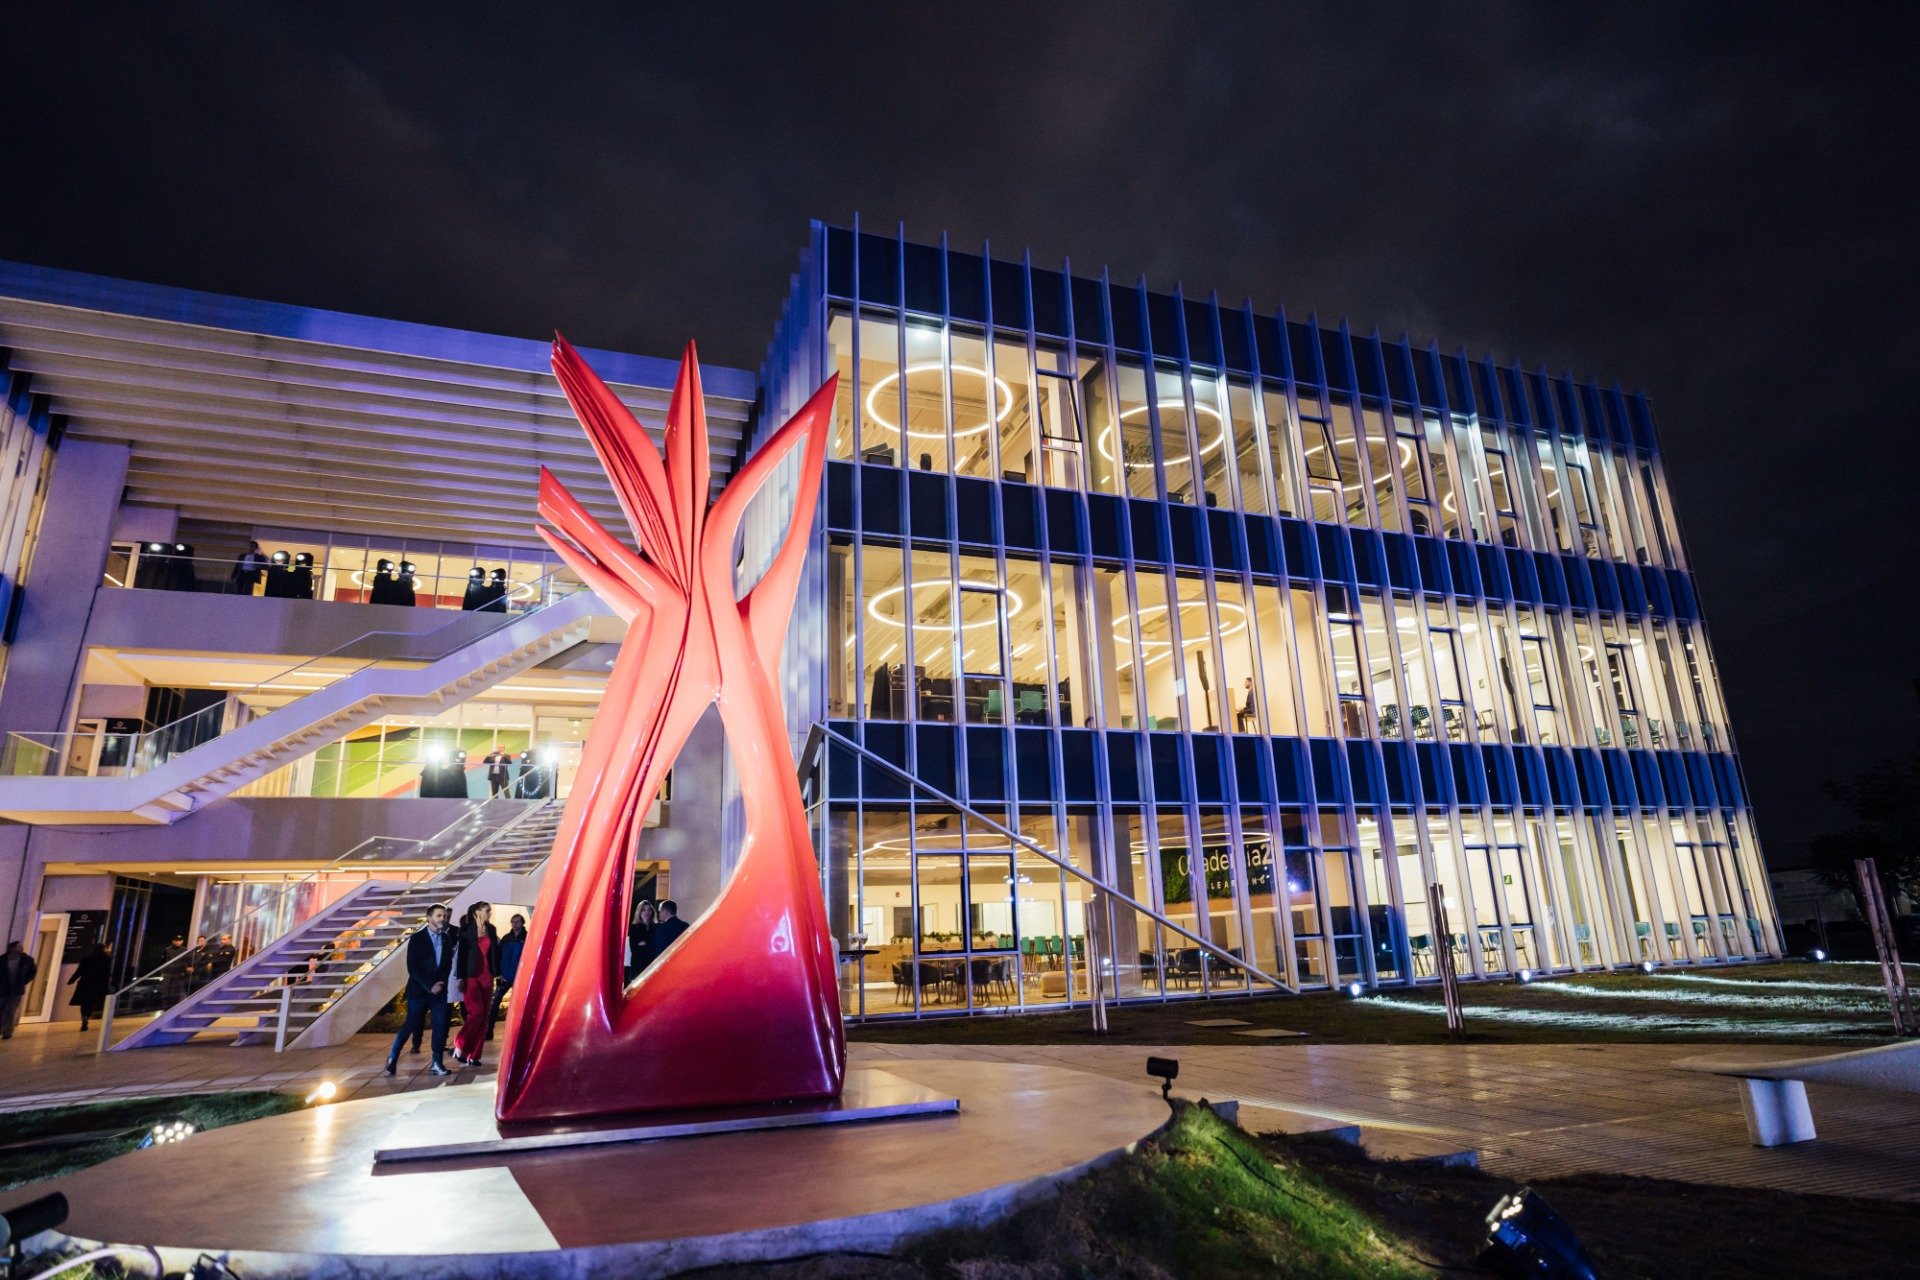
(1712, 203)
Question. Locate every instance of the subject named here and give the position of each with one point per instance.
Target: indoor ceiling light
(1003, 394)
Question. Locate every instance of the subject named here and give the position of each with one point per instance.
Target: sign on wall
(1176, 880)
(84, 928)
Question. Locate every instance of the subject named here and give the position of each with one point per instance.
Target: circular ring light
(1227, 628)
(1219, 434)
(1014, 604)
(1003, 395)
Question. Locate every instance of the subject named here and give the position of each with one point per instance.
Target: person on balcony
(248, 570)
(476, 958)
(90, 981)
(17, 972)
(499, 771)
(429, 972)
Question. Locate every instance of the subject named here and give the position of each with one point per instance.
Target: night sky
(1716, 206)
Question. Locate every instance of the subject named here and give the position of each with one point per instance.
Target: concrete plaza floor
(1529, 1110)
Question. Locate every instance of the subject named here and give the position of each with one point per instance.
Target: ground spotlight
(1817, 954)
(1355, 990)
(1166, 1070)
(168, 1132)
(325, 1091)
(1526, 975)
(1647, 966)
(1526, 1238)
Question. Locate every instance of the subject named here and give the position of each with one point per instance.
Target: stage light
(324, 1092)
(1527, 1239)
(1355, 990)
(168, 1132)
(1166, 1071)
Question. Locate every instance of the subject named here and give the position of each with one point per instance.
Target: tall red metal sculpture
(744, 1008)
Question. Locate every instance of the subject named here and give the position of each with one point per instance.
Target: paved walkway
(1529, 1110)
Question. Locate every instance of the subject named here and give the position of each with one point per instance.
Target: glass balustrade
(99, 753)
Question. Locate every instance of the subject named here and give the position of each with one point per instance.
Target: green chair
(996, 704)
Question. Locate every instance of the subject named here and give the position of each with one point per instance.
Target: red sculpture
(744, 1007)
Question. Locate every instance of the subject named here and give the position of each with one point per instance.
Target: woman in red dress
(474, 965)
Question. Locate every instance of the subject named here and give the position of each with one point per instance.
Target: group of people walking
(473, 964)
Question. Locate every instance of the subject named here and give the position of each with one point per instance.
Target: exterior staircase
(219, 766)
(496, 853)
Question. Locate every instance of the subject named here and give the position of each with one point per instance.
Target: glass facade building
(1255, 633)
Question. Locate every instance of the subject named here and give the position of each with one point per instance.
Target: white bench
(1773, 1093)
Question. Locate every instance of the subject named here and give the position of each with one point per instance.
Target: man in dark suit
(17, 971)
(499, 771)
(667, 927)
(429, 962)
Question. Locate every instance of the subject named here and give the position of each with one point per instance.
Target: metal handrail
(826, 734)
(183, 727)
(279, 896)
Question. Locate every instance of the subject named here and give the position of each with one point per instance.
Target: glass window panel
(883, 614)
(984, 407)
(1161, 674)
(925, 397)
(840, 347)
(879, 391)
(1177, 437)
(1282, 435)
(1135, 456)
(1112, 634)
(1238, 685)
(1384, 465)
(1072, 702)
(1248, 450)
(843, 613)
(1212, 429)
(1104, 456)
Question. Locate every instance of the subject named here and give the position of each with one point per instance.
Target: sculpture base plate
(869, 1095)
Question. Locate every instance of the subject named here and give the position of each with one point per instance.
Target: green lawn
(48, 1142)
(1206, 1199)
(1790, 1002)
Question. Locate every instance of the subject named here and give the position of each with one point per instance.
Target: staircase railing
(171, 981)
(85, 752)
(368, 964)
(821, 736)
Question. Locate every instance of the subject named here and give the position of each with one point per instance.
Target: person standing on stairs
(429, 969)
(476, 956)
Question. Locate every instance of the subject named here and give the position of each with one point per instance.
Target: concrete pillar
(44, 662)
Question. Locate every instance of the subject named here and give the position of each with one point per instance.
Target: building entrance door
(47, 945)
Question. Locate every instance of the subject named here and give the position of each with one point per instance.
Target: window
(1248, 451)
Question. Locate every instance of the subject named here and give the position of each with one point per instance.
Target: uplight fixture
(169, 1131)
(1355, 990)
(324, 1092)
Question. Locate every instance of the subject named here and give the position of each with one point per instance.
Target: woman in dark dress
(640, 938)
(90, 982)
